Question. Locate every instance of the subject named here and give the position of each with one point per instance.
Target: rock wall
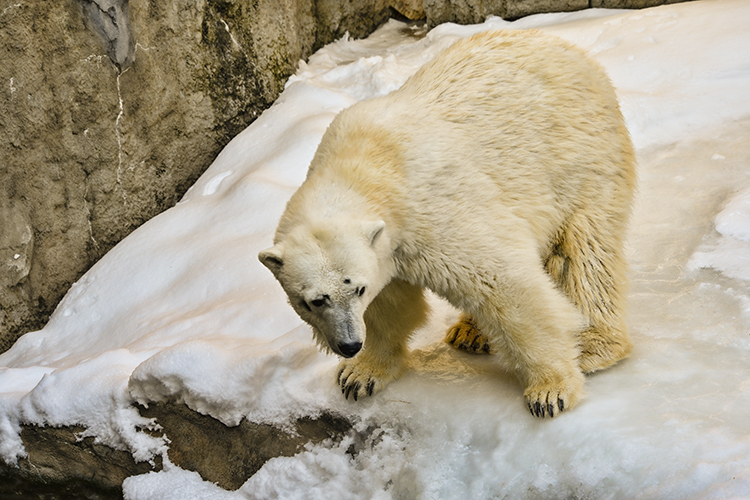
(111, 109)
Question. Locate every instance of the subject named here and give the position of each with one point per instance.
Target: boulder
(62, 467)
(228, 456)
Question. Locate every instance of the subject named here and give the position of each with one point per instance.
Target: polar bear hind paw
(599, 352)
(465, 335)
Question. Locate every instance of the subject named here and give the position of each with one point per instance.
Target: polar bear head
(330, 273)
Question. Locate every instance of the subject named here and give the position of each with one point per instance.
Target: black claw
(561, 404)
(356, 390)
(550, 410)
(451, 338)
(341, 372)
(370, 387)
(537, 409)
(348, 390)
(531, 408)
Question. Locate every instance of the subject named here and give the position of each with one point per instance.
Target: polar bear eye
(304, 304)
(361, 291)
(347, 281)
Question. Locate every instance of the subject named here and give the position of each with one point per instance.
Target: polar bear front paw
(549, 400)
(358, 378)
(465, 335)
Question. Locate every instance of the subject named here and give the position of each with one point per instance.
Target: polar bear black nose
(349, 350)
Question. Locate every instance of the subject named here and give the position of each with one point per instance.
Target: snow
(182, 309)
(731, 253)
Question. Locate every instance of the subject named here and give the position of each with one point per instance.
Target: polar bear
(500, 176)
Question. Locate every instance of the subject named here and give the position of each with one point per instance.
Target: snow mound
(731, 253)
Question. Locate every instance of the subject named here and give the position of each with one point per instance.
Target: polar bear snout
(338, 327)
(347, 336)
(349, 349)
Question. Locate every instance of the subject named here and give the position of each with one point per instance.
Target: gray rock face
(111, 20)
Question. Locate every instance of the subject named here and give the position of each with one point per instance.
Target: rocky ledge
(61, 466)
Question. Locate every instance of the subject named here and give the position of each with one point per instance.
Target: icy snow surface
(183, 309)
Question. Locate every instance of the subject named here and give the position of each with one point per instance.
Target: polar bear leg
(588, 266)
(465, 334)
(398, 310)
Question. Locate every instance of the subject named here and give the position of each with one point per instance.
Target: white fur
(500, 176)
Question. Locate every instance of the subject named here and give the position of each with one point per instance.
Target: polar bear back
(511, 118)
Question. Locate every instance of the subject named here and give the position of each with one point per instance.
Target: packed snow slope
(182, 309)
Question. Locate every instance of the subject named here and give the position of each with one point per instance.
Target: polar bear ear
(373, 230)
(272, 258)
